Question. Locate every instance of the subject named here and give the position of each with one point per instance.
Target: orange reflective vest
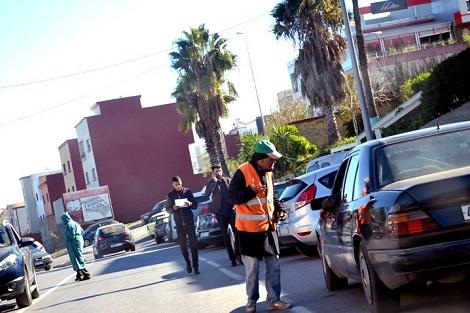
(255, 215)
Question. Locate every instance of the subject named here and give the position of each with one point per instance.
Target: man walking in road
(223, 209)
(180, 202)
(257, 212)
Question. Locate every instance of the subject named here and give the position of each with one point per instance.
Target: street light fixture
(254, 81)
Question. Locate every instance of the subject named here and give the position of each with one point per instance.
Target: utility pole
(357, 76)
(254, 81)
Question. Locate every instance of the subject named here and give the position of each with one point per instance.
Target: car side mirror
(26, 241)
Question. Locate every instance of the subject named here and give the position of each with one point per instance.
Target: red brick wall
(52, 187)
(137, 152)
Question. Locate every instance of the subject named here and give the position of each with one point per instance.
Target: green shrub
(413, 85)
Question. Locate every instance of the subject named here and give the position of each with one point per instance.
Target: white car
(302, 201)
(325, 161)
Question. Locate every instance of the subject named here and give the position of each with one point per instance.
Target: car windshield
(4, 237)
(293, 189)
(428, 155)
(114, 229)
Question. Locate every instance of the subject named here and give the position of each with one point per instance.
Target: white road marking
(47, 293)
(295, 309)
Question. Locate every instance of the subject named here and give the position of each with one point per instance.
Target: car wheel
(332, 281)
(133, 248)
(25, 299)
(86, 243)
(201, 245)
(98, 256)
(35, 293)
(305, 250)
(380, 298)
(48, 268)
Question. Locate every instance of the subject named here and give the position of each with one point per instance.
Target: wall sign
(388, 6)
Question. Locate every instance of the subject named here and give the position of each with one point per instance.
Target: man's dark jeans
(224, 221)
(187, 233)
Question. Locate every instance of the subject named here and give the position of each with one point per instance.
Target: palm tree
(202, 93)
(363, 64)
(314, 27)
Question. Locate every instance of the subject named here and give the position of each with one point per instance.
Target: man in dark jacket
(180, 202)
(257, 211)
(223, 209)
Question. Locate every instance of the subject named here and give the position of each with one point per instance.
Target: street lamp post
(254, 81)
(357, 77)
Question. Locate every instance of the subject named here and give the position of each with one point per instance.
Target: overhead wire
(100, 69)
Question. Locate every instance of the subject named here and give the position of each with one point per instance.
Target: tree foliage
(295, 148)
(314, 26)
(413, 85)
(202, 92)
(290, 111)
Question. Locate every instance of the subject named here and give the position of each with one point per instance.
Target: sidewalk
(63, 260)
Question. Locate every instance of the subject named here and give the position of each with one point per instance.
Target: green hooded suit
(74, 238)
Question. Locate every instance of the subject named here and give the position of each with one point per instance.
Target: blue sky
(43, 39)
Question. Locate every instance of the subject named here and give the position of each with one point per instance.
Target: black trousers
(224, 221)
(187, 233)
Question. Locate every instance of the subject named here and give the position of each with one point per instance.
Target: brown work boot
(279, 306)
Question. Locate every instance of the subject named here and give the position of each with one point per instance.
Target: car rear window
(313, 167)
(293, 189)
(114, 229)
(328, 180)
(279, 189)
(428, 155)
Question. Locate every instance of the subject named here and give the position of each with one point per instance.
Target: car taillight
(409, 223)
(306, 197)
(205, 208)
(100, 238)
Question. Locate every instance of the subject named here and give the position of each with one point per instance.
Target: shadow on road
(107, 293)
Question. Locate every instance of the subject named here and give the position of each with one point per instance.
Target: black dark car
(90, 231)
(399, 214)
(17, 273)
(111, 239)
(208, 230)
(157, 208)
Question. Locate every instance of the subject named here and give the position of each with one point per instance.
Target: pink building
(135, 151)
(72, 169)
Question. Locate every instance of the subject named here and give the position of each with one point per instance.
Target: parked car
(399, 214)
(203, 203)
(302, 200)
(17, 273)
(325, 161)
(90, 231)
(42, 259)
(157, 208)
(163, 218)
(111, 239)
(208, 230)
(279, 188)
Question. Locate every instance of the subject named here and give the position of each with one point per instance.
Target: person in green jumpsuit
(74, 238)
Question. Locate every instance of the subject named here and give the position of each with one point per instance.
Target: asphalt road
(153, 279)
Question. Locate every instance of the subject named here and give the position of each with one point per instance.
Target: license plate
(39, 263)
(466, 212)
(204, 234)
(114, 245)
